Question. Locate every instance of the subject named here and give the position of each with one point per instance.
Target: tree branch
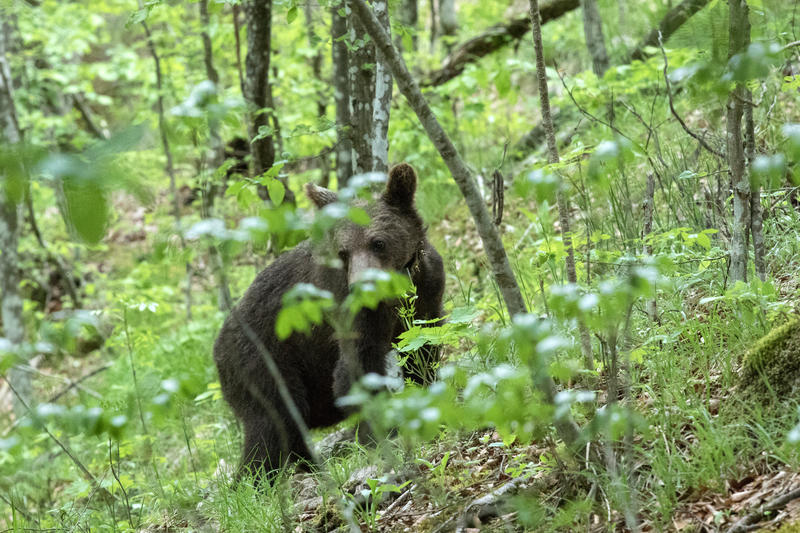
(493, 40)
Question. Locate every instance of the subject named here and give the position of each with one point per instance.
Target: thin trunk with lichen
(10, 222)
(553, 158)
(739, 36)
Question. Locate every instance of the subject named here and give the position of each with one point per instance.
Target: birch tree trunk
(370, 96)
(553, 158)
(593, 31)
(381, 104)
(10, 217)
(739, 36)
(362, 95)
(341, 92)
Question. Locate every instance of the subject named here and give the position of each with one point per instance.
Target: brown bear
(312, 366)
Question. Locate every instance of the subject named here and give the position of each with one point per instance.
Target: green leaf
(86, 208)
(276, 191)
(291, 14)
(503, 82)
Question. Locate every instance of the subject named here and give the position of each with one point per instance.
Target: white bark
(382, 101)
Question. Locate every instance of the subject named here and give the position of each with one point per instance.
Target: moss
(771, 368)
(794, 527)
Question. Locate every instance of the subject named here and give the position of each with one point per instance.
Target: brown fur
(312, 365)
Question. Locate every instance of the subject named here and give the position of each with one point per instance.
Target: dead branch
(492, 40)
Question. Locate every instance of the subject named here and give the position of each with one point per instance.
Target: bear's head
(393, 239)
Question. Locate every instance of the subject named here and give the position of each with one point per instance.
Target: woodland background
(634, 181)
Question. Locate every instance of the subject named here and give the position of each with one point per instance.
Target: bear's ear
(320, 195)
(401, 186)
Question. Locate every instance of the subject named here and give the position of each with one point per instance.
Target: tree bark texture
(258, 19)
(756, 217)
(593, 32)
(341, 93)
(10, 216)
(370, 96)
(381, 104)
(553, 158)
(258, 93)
(739, 36)
(362, 95)
(673, 20)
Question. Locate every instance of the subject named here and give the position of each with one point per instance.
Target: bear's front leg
(365, 350)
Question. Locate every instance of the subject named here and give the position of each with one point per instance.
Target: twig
(675, 114)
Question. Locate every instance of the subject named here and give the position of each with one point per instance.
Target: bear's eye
(343, 255)
(378, 245)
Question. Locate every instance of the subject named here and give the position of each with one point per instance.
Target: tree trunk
(341, 93)
(739, 36)
(370, 96)
(362, 96)
(258, 18)
(593, 31)
(381, 105)
(10, 216)
(756, 218)
(552, 151)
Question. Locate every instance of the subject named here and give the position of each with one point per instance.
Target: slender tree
(341, 92)
(739, 28)
(553, 158)
(10, 217)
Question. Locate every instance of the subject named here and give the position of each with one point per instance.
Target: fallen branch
(674, 19)
(493, 40)
(744, 523)
(487, 506)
